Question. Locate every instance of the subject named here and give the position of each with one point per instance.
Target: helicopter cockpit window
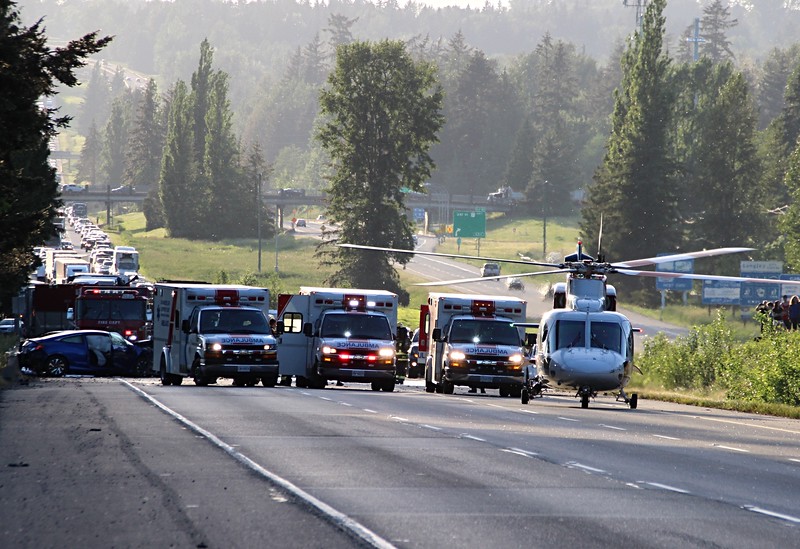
(606, 335)
(570, 333)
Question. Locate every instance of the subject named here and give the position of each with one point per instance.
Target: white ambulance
(209, 331)
(338, 334)
(472, 340)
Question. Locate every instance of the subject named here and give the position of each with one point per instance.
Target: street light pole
(277, 230)
(258, 217)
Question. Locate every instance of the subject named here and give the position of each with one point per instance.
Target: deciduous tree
(381, 114)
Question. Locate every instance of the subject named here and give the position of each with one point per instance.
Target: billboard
(675, 284)
(753, 293)
(721, 292)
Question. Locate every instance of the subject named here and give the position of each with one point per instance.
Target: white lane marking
(398, 418)
(612, 427)
(432, 427)
(745, 424)
(568, 419)
(576, 465)
(731, 448)
(471, 437)
(337, 517)
(370, 411)
(326, 398)
(666, 437)
(305, 393)
(345, 404)
(519, 452)
(795, 460)
(667, 487)
(773, 514)
(528, 411)
(494, 405)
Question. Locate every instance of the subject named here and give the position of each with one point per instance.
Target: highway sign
(753, 293)
(721, 292)
(419, 214)
(676, 284)
(469, 224)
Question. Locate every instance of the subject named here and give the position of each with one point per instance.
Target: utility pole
(697, 39)
(640, 6)
(258, 217)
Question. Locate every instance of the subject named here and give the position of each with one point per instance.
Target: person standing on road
(794, 312)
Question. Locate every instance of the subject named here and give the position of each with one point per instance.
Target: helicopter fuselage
(586, 351)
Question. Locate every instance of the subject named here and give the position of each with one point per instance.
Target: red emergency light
(482, 308)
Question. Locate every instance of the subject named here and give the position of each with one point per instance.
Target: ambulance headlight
(457, 355)
(270, 347)
(216, 347)
(516, 358)
(386, 352)
(327, 350)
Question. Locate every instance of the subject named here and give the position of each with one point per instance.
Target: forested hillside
(689, 129)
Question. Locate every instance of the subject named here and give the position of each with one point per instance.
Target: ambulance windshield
(490, 332)
(233, 321)
(357, 326)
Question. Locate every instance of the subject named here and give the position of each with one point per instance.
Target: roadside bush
(689, 362)
(767, 370)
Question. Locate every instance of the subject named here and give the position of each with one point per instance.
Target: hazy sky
(459, 3)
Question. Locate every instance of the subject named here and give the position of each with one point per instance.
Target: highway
(223, 466)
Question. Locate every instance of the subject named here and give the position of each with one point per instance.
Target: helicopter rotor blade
(454, 256)
(488, 278)
(692, 276)
(678, 257)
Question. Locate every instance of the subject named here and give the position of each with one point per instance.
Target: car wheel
(199, 379)
(144, 366)
(57, 366)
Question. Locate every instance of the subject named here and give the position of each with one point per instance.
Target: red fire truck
(122, 310)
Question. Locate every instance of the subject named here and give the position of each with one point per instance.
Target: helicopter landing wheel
(585, 400)
(524, 396)
(634, 401)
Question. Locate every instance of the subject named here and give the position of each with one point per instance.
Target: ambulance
(472, 340)
(209, 331)
(338, 334)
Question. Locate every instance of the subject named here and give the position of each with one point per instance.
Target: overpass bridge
(440, 206)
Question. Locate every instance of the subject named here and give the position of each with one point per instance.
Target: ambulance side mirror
(308, 330)
(437, 334)
(530, 339)
(185, 326)
(280, 327)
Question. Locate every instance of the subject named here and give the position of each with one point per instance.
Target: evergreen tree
(256, 172)
(115, 143)
(228, 199)
(382, 112)
(633, 189)
(91, 153)
(201, 82)
(520, 164)
(96, 101)
(790, 223)
(29, 72)
(715, 23)
(338, 30)
(725, 197)
(146, 144)
(179, 192)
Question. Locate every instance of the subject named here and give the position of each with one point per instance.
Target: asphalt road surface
(130, 463)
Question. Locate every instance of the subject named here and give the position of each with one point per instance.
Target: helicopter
(583, 343)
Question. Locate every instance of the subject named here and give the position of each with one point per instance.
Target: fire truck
(208, 331)
(122, 310)
(472, 340)
(338, 334)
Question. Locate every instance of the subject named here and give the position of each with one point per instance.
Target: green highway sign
(469, 224)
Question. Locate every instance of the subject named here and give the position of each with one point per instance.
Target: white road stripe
(432, 427)
(337, 517)
(576, 465)
(398, 418)
(471, 437)
(773, 514)
(368, 410)
(731, 448)
(528, 411)
(519, 452)
(666, 437)
(612, 427)
(568, 419)
(667, 487)
(345, 404)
